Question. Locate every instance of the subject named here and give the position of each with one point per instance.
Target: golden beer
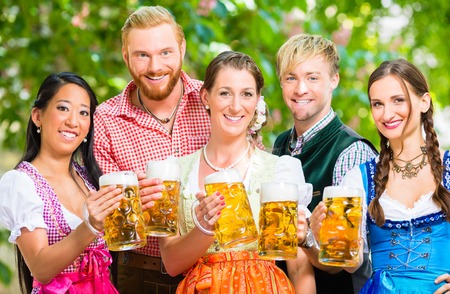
(278, 221)
(124, 227)
(236, 226)
(341, 230)
(161, 220)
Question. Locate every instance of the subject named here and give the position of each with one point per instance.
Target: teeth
(156, 78)
(69, 135)
(392, 124)
(233, 118)
(302, 101)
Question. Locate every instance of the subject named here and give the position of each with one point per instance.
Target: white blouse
(21, 207)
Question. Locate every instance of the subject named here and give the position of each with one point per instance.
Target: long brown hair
(408, 74)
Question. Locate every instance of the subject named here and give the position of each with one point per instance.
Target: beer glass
(236, 226)
(161, 220)
(278, 221)
(341, 229)
(124, 227)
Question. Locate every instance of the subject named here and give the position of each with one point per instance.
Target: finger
(200, 195)
(441, 278)
(140, 174)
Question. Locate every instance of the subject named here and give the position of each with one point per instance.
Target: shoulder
(15, 178)
(282, 137)
(190, 85)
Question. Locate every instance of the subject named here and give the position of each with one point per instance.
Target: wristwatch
(309, 239)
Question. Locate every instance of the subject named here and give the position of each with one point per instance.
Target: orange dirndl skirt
(235, 272)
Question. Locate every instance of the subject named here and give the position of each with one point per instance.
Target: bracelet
(196, 222)
(86, 221)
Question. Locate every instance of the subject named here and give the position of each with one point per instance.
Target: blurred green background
(40, 37)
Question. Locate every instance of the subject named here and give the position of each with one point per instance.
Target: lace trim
(418, 201)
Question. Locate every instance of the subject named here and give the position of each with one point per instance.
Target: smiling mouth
(391, 125)
(68, 135)
(302, 102)
(233, 118)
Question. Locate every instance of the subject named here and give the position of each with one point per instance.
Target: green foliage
(5, 272)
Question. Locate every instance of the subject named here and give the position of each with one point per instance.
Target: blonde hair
(303, 47)
(148, 17)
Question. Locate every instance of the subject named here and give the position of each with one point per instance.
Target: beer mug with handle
(161, 220)
(236, 226)
(280, 202)
(339, 237)
(124, 227)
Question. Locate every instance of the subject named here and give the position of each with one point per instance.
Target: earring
(38, 130)
(85, 140)
(206, 107)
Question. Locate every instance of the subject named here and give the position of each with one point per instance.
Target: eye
(224, 93)
(62, 108)
(399, 100)
(142, 55)
(313, 78)
(248, 94)
(165, 53)
(375, 104)
(84, 113)
(290, 79)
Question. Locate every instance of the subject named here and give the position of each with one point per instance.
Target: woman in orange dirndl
(231, 95)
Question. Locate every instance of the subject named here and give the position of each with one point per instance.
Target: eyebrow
(70, 102)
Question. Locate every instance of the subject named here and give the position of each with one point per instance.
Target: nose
(388, 113)
(235, 104)
(301, 88)
(154, 64)
(72, 120)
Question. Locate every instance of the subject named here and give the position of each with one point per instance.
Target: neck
(222, 155)
(50, 166)
(406, 149)
(161, 108)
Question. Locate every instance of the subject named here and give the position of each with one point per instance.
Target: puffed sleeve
(20, 206)
(353, 178)
(289, 169)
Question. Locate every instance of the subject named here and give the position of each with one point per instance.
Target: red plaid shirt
(126, 137)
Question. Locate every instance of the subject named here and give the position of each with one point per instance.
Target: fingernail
(218, 213)
(223, 203)
(221, 198)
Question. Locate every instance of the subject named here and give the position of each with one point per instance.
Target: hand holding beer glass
(124, 227)
(235, 226)
(340, 233)
(161, 220)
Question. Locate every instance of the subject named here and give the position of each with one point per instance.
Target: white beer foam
(224, 176)
(168, 170)
(119, 178)
(341, 191)
(279, 191)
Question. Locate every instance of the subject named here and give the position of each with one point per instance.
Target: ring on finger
(205, 218)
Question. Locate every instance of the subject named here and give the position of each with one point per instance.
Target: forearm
(301, 274)
(182, 252)
(45, 262)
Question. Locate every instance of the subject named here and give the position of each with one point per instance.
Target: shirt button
(176, 151)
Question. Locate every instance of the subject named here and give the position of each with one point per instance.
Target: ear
(204, 97)
(334, 81)
(36, 117)
(183, 49)
(125, 54)
(425, 101)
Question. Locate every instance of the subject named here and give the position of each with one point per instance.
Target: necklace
(410, 170)
(224, 168)
(160, 120)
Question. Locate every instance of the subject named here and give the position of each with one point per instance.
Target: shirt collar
(311, 132)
